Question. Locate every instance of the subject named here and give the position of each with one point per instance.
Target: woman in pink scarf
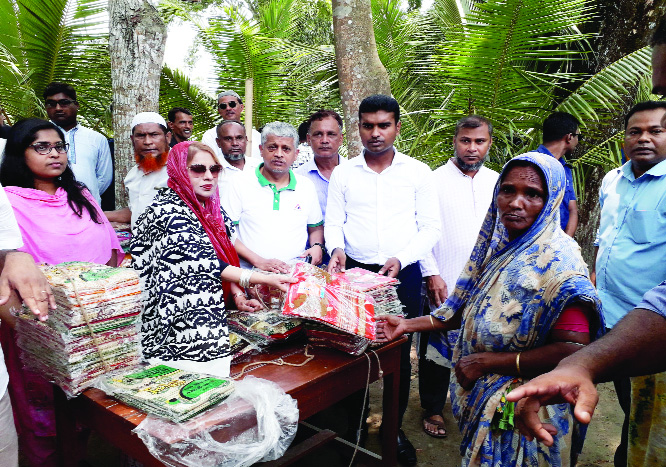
(187, 266)
(59, 221)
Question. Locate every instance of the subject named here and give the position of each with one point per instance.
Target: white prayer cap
(148, 117)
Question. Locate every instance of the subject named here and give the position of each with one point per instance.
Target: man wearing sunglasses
(230, 107)
(89, 155)
(561, 135)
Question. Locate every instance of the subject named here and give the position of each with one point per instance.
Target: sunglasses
(200, 169)
(45, 148)
(52, 104)
(223, 105)
(577, 135)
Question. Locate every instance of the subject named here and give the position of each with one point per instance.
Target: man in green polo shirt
(277, 212)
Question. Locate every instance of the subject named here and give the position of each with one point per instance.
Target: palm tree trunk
(360, 72)
(625, 26)
(137, 36)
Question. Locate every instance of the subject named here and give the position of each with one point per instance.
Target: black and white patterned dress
(184, 323)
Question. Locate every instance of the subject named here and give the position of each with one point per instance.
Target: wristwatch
(323, 248)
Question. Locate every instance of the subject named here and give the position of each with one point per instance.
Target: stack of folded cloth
(93, 329)
(381, 288)
(330, 300)
(265, 327)
(240, 348)
(321, 335)
(166, 392)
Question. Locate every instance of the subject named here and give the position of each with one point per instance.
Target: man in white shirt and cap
(149, 139)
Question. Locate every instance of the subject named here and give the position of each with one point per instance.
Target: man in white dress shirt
(20, 280)
(230, 107)
(151, 148)
(232, 141)
(89, 155)
(465, 190)
(382, 215)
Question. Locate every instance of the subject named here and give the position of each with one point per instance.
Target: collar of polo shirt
(263, 181)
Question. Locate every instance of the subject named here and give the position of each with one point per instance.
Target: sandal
(439, 424)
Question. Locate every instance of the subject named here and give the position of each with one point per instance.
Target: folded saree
(92, 331)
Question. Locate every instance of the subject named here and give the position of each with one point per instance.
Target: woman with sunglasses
(188, 267)
(59, 221)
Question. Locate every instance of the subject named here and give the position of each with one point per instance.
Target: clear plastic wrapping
(257, 423)
(91, 332)
(320, 335)
(264, 327)
(167, 392)
(330, 300)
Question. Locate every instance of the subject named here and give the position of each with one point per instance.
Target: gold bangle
(432, 323)
(518, 362)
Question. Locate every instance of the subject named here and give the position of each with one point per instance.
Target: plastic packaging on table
(91, 332)
(271, 298)
(381, 288)
(168, 392)
(257, 423)
(241, 348)
(320, 335)
(264, 327)
(330, 300)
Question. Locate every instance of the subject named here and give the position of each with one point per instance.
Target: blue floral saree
(509, 295)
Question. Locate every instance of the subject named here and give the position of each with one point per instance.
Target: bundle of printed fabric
(240, 348)
(381, 288)
(265, 327)
(331, 301)
(91, 332)
(166, 392)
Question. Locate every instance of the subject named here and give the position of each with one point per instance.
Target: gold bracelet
(518, 362)
(432, 324)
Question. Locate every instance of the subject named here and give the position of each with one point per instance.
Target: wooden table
(328, 378)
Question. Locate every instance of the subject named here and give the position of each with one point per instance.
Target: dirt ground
(602, 439)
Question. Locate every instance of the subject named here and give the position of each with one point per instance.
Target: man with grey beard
(465, 189)
(232, 141)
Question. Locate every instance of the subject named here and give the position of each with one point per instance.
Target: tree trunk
(360, 72)
(137, 36)
(624, 26)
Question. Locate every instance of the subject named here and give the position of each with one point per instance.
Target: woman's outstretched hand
(390, 328)
(279, 281)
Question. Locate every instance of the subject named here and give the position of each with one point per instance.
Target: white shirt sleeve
(104, 166)
(335, 214)
(314, 213)
(428, 266)
(428, 222)
(10, 235)
(232, 200)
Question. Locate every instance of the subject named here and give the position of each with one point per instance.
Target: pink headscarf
(209, 215)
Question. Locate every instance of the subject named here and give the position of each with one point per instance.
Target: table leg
(390, 418)
(67, 442)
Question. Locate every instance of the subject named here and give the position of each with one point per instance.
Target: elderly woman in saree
(523, 302)
(187, 266)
